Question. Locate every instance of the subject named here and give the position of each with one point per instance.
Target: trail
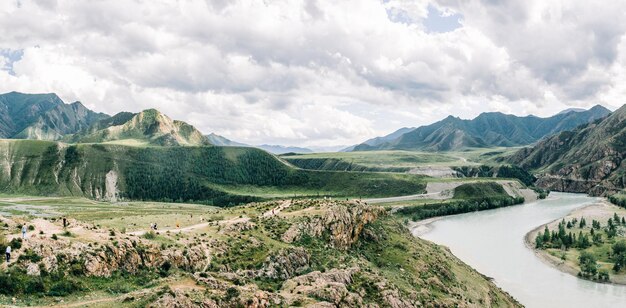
(285, 204)
(192, 227)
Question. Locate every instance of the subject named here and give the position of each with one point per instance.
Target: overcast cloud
(316, 72)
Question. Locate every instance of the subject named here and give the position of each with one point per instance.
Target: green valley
(199, 174)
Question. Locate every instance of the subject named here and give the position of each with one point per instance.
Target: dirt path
(285, 204)
(193, 227)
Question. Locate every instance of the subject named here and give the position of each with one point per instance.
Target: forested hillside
(194, 174)
(588, 159)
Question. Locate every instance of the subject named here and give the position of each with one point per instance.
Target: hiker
(64, 222)
(24, 232)
(8, 253)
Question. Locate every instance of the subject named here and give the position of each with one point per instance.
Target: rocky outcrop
(343, 223)
(119, 254)
(181, 299)
(286, 264)
(331, 286)
(564, 184)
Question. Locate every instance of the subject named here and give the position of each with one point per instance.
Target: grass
(398, 161)
(480, 190)
(382, 159)
(132, 216)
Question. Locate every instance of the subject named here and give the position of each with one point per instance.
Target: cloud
(315, 72)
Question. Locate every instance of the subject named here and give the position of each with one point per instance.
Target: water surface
(492, 242)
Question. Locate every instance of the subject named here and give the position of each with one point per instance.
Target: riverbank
(418, 228)
(600, 211)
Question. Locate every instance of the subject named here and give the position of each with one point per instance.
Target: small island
(589, 243)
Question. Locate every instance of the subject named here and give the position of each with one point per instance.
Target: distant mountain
(327, 149)
(377, 141)
(147, 127)
(572, 110)
(589, 159)
(42, 116)
(279, 149)
(218, 140)
(487, 130)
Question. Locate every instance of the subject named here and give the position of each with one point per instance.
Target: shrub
(30, 255)
(65, 287)
(231, 293)
(16, 243)
(165, 268)
(150, 235)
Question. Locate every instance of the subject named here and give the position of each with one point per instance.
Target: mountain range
(491, 129)
(42, 116)
(218, 140)
(587, 159)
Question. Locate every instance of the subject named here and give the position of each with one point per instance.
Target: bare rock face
(343, 221)
(286, 264)
(130, 256)
(331, 287)
(239, 226)
(32, 269)
(179, 299)
(104, 259)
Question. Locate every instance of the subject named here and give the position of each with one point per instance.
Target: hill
(287, 253)
(493, 129)
(213, 175)
(218, 140)
(149, 127)
(587, 159)
(42, 116)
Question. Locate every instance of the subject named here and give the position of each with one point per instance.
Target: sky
(317, 72)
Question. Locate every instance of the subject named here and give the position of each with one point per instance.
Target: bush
(30, 255)
(16, 243)
(231, 293)
(150, 235)
(165, 268)
(65, 287)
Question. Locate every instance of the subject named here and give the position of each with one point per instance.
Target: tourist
(8, 254)
(24, 232)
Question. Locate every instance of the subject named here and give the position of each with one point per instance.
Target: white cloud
(316, 72)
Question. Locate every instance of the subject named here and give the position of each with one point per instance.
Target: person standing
(8, 253)
(24, 232)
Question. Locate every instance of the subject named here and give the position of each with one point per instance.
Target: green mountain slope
(42, 116)
(487, 130)
(588, 159)
(215, 175)
(149, 127)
